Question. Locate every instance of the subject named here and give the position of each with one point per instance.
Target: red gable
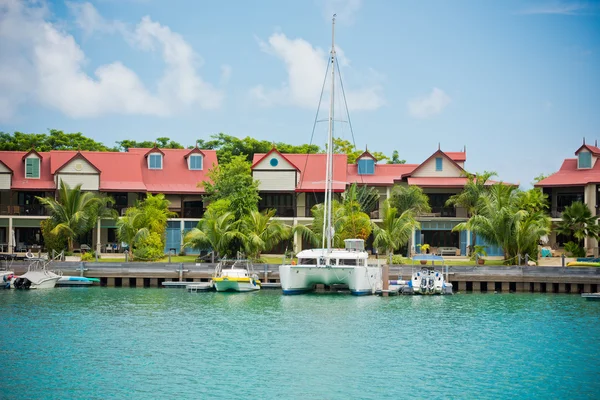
(592, 149)
(312, 168)
(439, 152)
(257, 161)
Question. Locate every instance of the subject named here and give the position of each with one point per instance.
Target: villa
(290, 183)
(577, 180)
(126, 177)
(293, 183)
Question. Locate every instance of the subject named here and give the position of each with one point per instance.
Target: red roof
(14, 160)
(592, 149)
(457, 156)
(312, 170)
(454, 182)
(569, 175)
(257, 160)
(385, 174)
(440, 152)
(126, 172)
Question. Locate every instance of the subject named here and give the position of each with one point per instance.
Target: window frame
(439, 164)
(195, 156)
(35, 168)
(588, 160)
(155, 155)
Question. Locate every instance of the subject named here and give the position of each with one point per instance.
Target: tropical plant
(214, 230)
(577, 219)
(478, 251)
(412, 198)
(366, 196)
(574, 249)
(144, 225)
(500, 222)
(475, 187)
(73, 212)
(262, 232)
(233, 182)
(52, 241)
(395, 230)
(424, 248)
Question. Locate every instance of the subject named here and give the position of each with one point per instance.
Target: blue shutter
(196, 162)
(438, 164)
(366, 166)
(463, 242)
(173, 234)
(585, 160)
(155, 161)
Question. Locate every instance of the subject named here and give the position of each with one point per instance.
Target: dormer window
(155, 161)
(438, 163)
(32, 168)
(195, 162)
(366, 166)
(584, 160)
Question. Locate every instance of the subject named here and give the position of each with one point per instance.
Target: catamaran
(329, 266)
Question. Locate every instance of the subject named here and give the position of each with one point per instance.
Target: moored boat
(328, 265)
(235, 276)
(428, 280)
(76, 281)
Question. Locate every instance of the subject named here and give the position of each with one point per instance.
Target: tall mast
(327, 221)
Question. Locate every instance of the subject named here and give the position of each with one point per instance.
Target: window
(585, 160)
(438, 163)
(195, 161)
(155, 161)
(32, 167)
(366, 167)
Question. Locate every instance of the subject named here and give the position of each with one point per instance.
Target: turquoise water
(97, 343)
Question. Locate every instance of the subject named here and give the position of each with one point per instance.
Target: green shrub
(54, 242)
(398, 260)
(151, 248)
(574, 249)
(87, 257)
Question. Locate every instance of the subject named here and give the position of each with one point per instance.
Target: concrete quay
(464, 278)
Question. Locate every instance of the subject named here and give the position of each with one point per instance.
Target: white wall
(276, 180)
(449, 169)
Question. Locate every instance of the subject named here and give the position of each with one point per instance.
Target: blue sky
(517, 82)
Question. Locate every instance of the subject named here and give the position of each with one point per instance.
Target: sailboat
(329, 266)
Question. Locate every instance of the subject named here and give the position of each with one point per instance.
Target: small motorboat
(5, 278)
(38, 276)
(76, 281)
(428, 280)
(235, 276)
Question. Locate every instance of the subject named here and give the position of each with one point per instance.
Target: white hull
(361, 280)
(233, 286)
(428, 282)
(36, 280)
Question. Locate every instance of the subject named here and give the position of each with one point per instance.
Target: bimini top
(427, 257)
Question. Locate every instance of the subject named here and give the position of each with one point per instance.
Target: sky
(516, 82)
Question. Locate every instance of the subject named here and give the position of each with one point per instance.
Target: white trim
(155, 154)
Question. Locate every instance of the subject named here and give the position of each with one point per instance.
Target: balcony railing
(30, 209)
(444, 211)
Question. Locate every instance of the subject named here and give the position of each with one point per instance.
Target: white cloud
(345, 10)
(557, 7)
(427, 106)
(89, 20)
(41, 62)
(305, 66)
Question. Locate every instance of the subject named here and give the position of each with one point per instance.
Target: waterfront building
(125, 176)
(294, 183)
(577, 180)
(290, 183)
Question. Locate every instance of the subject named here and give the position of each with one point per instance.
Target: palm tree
(473, 190)
(74, 212)
(367, 197)
(577, 219)
(412, 198)
(131, 229)
(394, 230)
(216, 230)
(500, 222)
(263, 232)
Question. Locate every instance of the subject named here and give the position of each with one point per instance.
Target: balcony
(556, 212)
(27, 210)
(444, 211)
(281, 211)
(193, 212)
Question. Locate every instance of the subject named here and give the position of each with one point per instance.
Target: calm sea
(98, 343)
